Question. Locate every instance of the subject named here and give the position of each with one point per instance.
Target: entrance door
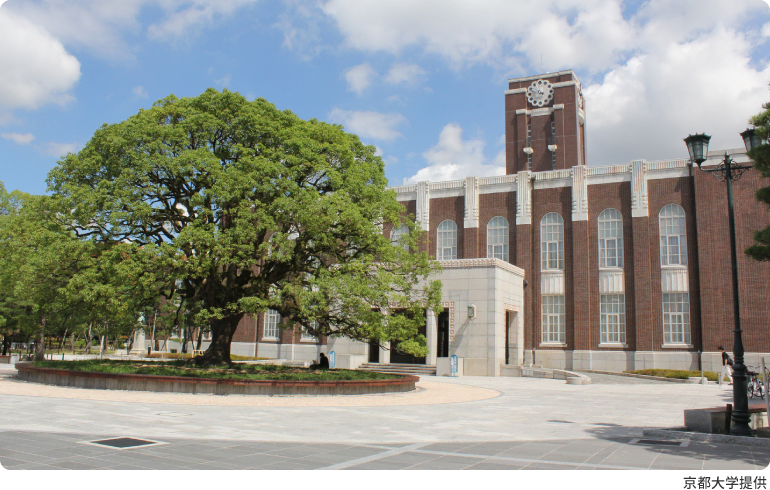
(401, 358)
(507, 337)
(442, 340)
(374, 351)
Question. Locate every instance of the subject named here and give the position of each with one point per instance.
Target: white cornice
(545, 75)
(487, 262)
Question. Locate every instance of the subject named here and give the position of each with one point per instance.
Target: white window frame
(553, 320)
(446, 240)
(552, 242)
(676, 319)
(497, 238)
(307, 336)
(610, 239)
(672, 223)
(397, 233)
(272, 321)
(613, 319)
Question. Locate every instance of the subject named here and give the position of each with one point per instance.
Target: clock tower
(544, 123)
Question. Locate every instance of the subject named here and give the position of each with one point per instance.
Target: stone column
(431, 333)
(385, 353)
(138, 347)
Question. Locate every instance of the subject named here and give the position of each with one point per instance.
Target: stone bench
(570, 377)
(714, 420)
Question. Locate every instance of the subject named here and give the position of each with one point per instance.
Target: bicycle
(756, 386)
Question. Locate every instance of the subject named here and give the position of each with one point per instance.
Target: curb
(680, 434)
(640, 376)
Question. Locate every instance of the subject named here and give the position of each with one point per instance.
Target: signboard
(453, 366)
(332, 359)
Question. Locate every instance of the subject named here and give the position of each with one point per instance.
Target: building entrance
(402, 358)
(442, 339)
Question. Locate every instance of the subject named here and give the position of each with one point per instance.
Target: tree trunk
(6, 344)
(73, 338)
(88, 341)
(63, 339)
(40, 342)
(222, 332)
(200, 338)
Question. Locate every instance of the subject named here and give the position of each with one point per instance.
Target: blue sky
(421, 80)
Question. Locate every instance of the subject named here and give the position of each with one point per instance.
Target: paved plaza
(450, 423)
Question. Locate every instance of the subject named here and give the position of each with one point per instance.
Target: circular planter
(182, 384)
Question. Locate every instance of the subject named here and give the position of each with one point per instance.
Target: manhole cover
(654, 442)
(123, 442)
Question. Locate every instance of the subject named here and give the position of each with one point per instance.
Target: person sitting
(324, 362)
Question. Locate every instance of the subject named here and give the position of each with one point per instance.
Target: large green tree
(249, 208)
(761, 156)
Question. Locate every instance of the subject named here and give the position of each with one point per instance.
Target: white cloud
(59, 149)
(369, 124)
(404, 73)
(359, 77)
(139, 91)
(35, 69)
(101, 26)
(453, 158)
(19, 138)
(629, 114)
(224, 81)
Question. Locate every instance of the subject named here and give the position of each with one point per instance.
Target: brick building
(605, 268)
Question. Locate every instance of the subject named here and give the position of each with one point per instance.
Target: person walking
(727, 366)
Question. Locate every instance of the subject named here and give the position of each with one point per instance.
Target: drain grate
(655, 442)
(124, 442)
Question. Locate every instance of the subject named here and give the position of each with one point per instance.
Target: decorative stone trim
(552, 282)
(552, 179)
(676, 346)
(516, 91)
(611, 345)
(612, 281)
(423, 205)
(524, 199)
(674, 280)
(579, 194)
(639, 189)
(471, 202)
(487, 262)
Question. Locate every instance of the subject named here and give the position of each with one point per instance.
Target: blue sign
(332, 359)
(453, 365)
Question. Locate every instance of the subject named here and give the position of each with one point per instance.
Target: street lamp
(729, 171)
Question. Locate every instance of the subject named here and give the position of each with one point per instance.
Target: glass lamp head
(698, 147)
(751, 139)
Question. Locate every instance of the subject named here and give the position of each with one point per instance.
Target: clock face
(540, 93)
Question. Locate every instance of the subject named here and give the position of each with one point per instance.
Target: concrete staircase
(413, 369)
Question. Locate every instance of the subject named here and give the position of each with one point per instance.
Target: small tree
(761, 156)
(247, 208)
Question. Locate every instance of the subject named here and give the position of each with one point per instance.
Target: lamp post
(728, 171)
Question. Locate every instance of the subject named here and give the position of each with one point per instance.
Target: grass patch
(237, 371)
(676, 374)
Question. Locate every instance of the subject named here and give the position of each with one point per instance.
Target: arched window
(272, 320)
(611, 238)
(397, 234)
(673, 235)
(552, 242)
(497, 238)
(446, 240)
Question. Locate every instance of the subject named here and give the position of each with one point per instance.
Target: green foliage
(761, 157)
(234, 207)
(676, 374)
(236, 371)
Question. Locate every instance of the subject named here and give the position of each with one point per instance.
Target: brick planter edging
(182, 384)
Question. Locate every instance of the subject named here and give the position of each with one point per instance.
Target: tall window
(529, 143)
(611, 238)
(673, 235)
(497, 238)
(306, 335)
(272, 319)
(397, 234)
(553, 323)
(446, 241)
(676, 318)
(613, 319)
(552, 242)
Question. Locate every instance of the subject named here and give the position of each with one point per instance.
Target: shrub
(675, 373)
